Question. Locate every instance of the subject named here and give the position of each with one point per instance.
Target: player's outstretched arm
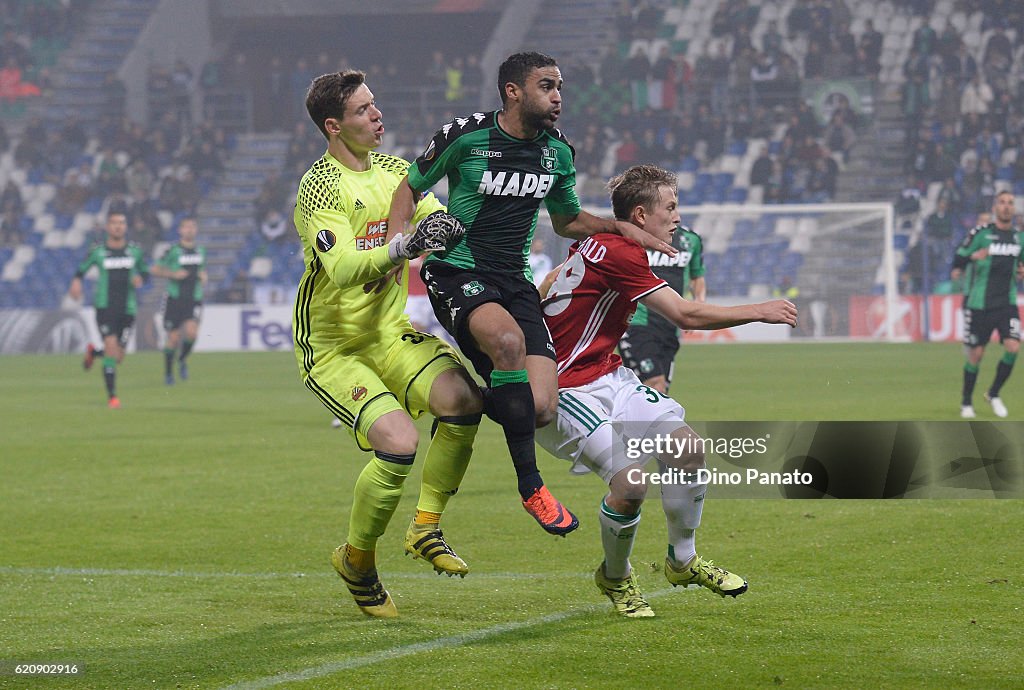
(709, 317)
(586, 224)
(699, 289)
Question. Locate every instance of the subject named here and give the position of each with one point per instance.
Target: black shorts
(455, 292)
(178, 311)
(979, 324)
(116, 323)
(649, 352)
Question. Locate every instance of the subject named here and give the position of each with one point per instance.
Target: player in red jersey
(603, 408)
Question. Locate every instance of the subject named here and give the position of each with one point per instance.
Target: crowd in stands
(964, 112)
(34, 32)
(644, 101)
(660, 108)
(167, 166)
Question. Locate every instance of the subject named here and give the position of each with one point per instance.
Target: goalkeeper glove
(433, 234)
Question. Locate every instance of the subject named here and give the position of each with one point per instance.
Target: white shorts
(595, 421)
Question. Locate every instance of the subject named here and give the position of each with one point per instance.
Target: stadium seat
(690, 164)
(721, 181)
(737, 148)
(738, 195)
(729, 163)
(693, 197)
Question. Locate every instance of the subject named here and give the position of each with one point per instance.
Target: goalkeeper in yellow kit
(357, 351)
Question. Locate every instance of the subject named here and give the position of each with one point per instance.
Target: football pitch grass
(183, 541)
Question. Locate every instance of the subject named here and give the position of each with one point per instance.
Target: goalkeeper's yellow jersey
(342, 217)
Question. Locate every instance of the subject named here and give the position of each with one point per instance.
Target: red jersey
(589, 306)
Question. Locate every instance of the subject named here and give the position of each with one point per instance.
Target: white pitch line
(448, 642)
(135, 572)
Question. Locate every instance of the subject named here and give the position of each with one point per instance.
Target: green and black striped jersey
(193, 260)
(496, 183)
(992, 281)
(117, 267)
(676, 270)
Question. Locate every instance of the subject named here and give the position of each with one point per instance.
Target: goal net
(838, 262)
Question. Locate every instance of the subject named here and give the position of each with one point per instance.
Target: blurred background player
(651, 342)
(184, 266)
(991, 253)
(356, 349)
(122, 270)
(601, 403)
(500, 166)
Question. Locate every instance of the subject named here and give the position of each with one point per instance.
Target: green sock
(446, 462)
(110, 375)
(375, 498)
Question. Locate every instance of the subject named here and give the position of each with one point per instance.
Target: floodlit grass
(183, 541)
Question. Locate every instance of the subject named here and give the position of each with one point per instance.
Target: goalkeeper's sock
(376, 496)
(447, 459)
(511, 395)
(1003, 371)
(970, 378)
(110, 375)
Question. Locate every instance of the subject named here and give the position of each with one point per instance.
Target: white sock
(683, 504)
(617, 535)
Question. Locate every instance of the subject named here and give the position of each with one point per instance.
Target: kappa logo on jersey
(485, 153)
(358, 393)
(548, 158)
(359, 206)
(376, 233)
(472, 288)
(515, 184)
(118, 262)
(1003, 249)
(325, 239)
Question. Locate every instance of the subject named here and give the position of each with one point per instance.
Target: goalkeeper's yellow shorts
(359, 388)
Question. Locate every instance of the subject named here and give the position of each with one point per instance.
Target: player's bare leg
(543, 374)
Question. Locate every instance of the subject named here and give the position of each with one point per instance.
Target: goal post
(842, 258)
